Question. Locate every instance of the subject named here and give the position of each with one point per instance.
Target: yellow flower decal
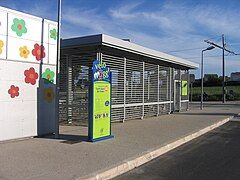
(48, 94)
(24, 52)
(1, 46)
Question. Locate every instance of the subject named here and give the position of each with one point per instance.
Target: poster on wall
(100, 103)
(184, 88)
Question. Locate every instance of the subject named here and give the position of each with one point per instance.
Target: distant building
(207, 77)
(192, 78)
(226, 78)
(235, 76)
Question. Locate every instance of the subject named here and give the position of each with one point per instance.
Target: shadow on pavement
(67, 138)
(209, 114)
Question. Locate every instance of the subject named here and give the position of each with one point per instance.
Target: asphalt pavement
(213, 156)
(70, 157)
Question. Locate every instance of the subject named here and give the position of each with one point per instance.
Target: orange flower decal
(30, 76)
(24, 52)
(1, 46)
(13, 91)
(48, 94)
(38, 51)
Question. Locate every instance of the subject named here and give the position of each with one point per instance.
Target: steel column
(158, 91)
(180, 89)
(170, 89)
(69, 90)
(58, 70)
(124, 89)
(143, 90)
(188, 83)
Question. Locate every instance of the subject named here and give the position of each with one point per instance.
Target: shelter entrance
(177, 95)
(74, 89)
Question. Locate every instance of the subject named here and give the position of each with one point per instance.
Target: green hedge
(217, 97)
(215, 93)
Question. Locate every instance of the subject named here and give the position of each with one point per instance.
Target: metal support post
(158, 108)
(58, 71)
(170, 89)
(191, 86)
(143, 90)
(223, 71)
(188, 80)
(99, 56)
(202, 81)
(180, 89)
(69, 90)
(124, 89)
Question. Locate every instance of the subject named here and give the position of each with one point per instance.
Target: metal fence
(140, 89)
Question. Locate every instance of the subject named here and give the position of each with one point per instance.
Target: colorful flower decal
(48, 76)
(19, 26)
(24, 52)
(53, 34)
(30, 76)
(48, 94)
(38, 51)
(13, 91)
(1, 46)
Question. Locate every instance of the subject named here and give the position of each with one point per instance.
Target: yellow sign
(101, 109)
(184, 88)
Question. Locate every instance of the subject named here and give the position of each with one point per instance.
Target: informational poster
(184, 88)
(100, 106)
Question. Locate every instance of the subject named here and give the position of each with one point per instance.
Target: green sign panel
(100, 103)
(101, 109)
(184, 88)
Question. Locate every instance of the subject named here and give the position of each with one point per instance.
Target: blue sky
(176, 27)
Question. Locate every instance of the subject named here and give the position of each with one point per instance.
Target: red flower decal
(30, 76)
(38, 51)
(13, 91)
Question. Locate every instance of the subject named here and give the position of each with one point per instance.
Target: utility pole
(223, 47)
(223, 71)
(58, 69)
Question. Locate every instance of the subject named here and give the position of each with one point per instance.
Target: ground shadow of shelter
(208, 114)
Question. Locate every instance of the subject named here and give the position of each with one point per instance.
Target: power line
(184, 50)
(220, 47)
(211, 56)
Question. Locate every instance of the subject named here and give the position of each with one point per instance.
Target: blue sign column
(99, 123)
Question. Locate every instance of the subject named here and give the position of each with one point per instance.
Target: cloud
(47, 10)
(164, 26)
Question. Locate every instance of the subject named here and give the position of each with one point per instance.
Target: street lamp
(207, 49)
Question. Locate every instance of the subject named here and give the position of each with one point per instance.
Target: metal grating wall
(134, 89)
(63, 90)
(116, 64)
(139, 89)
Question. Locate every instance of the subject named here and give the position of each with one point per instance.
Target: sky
(176, 27)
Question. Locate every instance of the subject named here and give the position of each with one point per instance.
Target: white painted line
(129, 165)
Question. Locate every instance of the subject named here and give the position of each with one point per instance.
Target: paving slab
(70, 157)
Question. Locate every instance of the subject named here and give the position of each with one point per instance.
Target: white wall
(29, 112)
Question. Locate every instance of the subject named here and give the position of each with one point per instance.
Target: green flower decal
(48, 76)
(19, 26)
(53, 34)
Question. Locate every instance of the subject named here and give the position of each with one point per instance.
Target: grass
(216, 90)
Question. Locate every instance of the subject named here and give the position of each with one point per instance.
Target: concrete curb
(131, 164)
(236, 118)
